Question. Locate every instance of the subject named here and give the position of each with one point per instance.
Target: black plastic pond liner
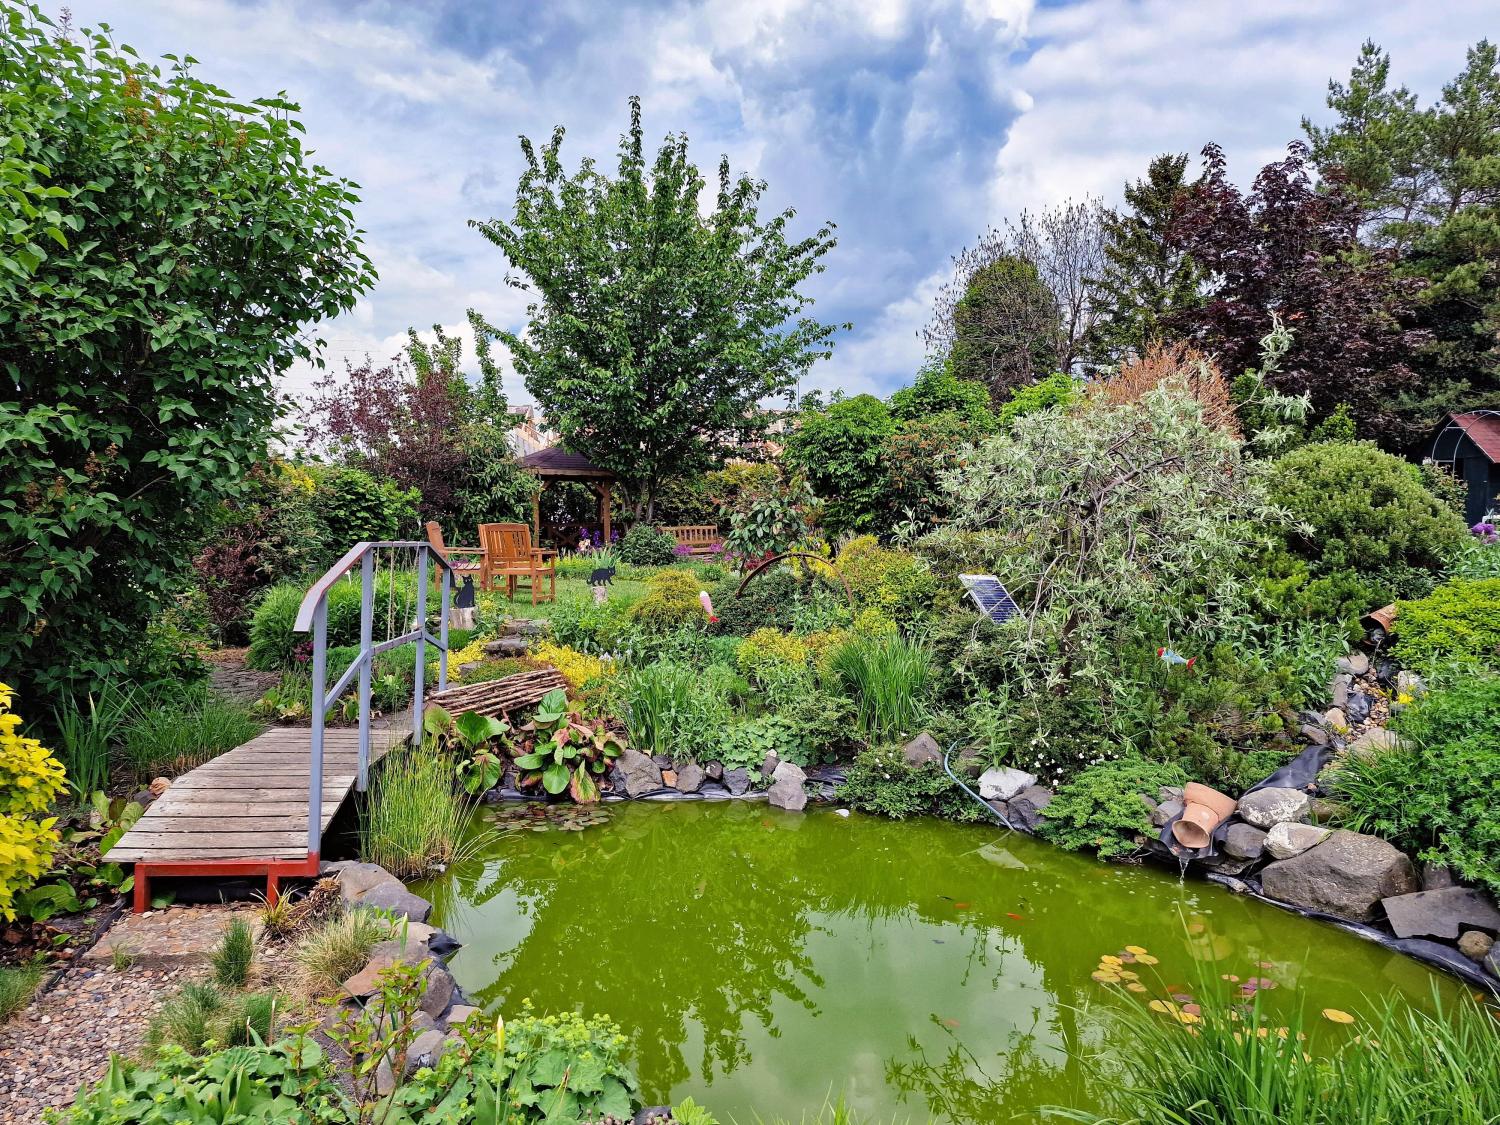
(1433, 953)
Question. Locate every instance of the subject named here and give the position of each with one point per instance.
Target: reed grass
(231, 958)
(85, 732)
(173, 737)
(416, 817)
(18, 985)
(886, 677)
(339, 948)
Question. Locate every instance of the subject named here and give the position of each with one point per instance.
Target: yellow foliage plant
(30, 779)
(578, 668)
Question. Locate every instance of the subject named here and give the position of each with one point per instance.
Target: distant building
(529, 432)
(1468, 446)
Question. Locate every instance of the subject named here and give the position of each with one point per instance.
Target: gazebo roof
(555, 461)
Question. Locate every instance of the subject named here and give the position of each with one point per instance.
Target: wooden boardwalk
(245, 812)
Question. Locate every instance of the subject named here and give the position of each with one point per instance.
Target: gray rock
(922, 750)
(1164, 812)
(640, 774)
(385, 1078)
(424, 1051)
(459, 1014)
(1169, 793)
(1003, 784)
(1409, 683)
(769, 764)
(1244, 841)
(1347, 874)
(787, 790)
(1376, 740)
(1335, 720)
(715, 771)
(737, 782)
(1314, 733)
(356, 879)
(1228, 864)
(508, 646)
(1441, 914)
(1476, 945)
(1266, 807)
(398, 900)
(1326, 812)
(438, 993)
(1288, 839)
(1358, 707)
(1355, 664)
(689, 778)
(383, 955)
(1027, 807)
(1339, 689)
(1492, 961)
(1436, 877)
(663, 761)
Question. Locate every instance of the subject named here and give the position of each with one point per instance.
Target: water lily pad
(1105, 977)
(1136, 949)
(1146, 959)
(1135, 986)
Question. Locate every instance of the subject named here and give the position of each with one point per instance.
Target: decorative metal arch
(848, 593)
(1444, 449)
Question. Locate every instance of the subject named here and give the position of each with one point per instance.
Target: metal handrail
(312, 615)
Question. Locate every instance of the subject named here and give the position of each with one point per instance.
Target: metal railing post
(445, 578)
(366, 659)
(319, 689)
(420, 677)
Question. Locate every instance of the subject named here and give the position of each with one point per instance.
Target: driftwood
(498, 698)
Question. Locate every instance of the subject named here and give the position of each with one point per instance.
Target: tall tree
(1428, 181)
(1147, 277)
(1066, 244)
(657, 330)
(1291, 250)
(1003, 329)
(163, 246)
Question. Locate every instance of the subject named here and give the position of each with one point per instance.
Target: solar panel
(993, 599)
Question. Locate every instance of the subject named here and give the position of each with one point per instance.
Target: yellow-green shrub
(671, 601)
(881, 578)
(578, 668)
(1458, 621)
(30, 779)
(767, 649)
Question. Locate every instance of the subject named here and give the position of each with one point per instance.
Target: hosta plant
(565, 751)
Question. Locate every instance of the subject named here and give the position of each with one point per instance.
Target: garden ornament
(1169, 657)
(1203, 810)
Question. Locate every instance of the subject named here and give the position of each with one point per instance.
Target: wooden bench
(698, 538)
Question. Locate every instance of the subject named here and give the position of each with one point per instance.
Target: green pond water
(763, 961)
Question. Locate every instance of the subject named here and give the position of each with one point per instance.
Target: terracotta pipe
(1203, 810)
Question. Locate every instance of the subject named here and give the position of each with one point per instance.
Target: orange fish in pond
(1017, 917)
(960, 906)
(950, 1023)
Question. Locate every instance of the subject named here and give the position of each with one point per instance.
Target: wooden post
(604, 509)
(536, 514)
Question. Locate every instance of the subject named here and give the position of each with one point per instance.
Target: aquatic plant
(415, 819)
(886, 677)
(564, 751)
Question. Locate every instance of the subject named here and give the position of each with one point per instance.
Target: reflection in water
(761, 960)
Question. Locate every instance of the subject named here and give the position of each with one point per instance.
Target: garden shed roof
(1483, 429)
(555, 461)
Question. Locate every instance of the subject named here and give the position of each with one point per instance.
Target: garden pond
(764, 961)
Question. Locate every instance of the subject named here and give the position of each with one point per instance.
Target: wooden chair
(698, 538)
(461, 567)
(508, 554)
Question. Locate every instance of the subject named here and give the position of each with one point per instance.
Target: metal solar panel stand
(992, 598)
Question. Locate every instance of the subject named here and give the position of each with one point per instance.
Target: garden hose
(989, 808)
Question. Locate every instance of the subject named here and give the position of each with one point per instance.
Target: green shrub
(672, 601)
(936, 390)
(274, 645)
(894, 582)
(644, 545)
(353, 507)
(677, 709)
(768, 649)
(1459, 622)
(951, 551)
(1101, 808)
(30, 781)
(1363, 513)
(886, 677)
(272, 639)
(839, 450)
(171, 737)
(772, 600)
(1058, 390)
(1437, 795)
(200, 1015)
(879, 781)
(807, 729)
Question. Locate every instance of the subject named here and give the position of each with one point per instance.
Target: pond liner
(1432, 953)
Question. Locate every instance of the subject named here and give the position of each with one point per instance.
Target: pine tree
(1147, 277)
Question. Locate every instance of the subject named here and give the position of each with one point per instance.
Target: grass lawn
(622, 591)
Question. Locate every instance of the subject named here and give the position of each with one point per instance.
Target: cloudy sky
(912, 125)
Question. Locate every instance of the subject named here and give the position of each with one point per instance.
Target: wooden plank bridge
(245, 812)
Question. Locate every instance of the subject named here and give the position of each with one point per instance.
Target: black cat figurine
(602, 576)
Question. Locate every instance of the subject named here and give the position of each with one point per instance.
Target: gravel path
(65, 1037)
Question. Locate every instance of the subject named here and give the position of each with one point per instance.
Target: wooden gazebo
(556, 463)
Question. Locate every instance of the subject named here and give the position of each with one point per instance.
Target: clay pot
(1204, 809)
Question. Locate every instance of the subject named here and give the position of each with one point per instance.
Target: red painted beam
(273, 869)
